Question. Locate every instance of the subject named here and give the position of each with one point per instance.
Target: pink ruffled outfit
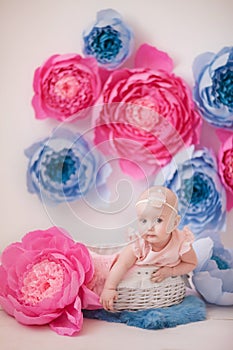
(170, 255)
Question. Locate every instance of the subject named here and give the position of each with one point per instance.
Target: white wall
(31, 31)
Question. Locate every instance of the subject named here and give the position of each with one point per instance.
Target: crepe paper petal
(202, 197)
(145, 118)
(200, 62)
(225, 164)
(211, 288)
(70, 322)
(222, 255)
(47, 282)
(133, 169)
(65, 86)
(213, 87)
(223, 134)
(104, 74)
(213, 277)
(229, 201)
(109, 39)
(226, 276)
(203, 249)
(90, 300)
(148, 56)
(35, 320)
(6, 305)
(64, 168)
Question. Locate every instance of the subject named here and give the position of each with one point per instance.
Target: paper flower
(65, 86)
(213, 276)
(43, 281)
(147, 115)
(108, 39)
(213, 74)
(193, 176)
(225, 162)
(64, 168)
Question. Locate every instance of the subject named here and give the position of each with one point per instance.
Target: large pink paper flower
(43, 281)
(147, 115)
(64, 86)
(225, 162)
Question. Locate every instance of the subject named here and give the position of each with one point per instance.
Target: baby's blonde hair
(170, 197)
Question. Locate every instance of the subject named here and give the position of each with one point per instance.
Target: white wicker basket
(137, 292)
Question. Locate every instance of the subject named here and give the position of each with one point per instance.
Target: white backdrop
(31, 31)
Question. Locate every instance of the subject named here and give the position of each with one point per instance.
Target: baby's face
(155, 224)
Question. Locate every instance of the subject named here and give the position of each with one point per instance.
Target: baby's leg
(102, 265)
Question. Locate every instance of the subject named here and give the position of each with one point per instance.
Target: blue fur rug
(192, 309)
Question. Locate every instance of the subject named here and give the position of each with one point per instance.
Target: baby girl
(159, 244)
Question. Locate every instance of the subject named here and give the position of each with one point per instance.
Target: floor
(215, 333)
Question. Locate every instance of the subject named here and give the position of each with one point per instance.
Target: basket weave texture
(137, 292)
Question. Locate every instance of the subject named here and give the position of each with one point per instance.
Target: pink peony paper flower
(225, 163)
(44, 278)
(64, 86)
(148, 114)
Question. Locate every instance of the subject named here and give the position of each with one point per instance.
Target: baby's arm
(187, 264)
(125, 260)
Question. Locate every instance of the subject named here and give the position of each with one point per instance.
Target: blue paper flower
(193, 176)
(213, 276)
(109, 39)
(213, 90)
(63, 168)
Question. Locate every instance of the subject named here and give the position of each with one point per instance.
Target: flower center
(223, 86)
(66, 87)
(142, 114)
(42, 281)
(196, 192)
(222, 264)
(103, 43)
(228, 170)
(60, 166)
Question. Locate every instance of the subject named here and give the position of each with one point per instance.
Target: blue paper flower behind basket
(213, 89)
(109, 39)
(63, 168)
(213, 277)
(193, 176)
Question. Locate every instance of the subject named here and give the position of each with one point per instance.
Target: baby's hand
(161, 274)
(108, 296)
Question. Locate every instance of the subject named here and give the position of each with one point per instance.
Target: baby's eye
(143, 221)
(158, 220)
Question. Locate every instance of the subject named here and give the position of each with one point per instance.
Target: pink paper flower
(64, 86)
(225, 162)
(148, 114)
(44, 278)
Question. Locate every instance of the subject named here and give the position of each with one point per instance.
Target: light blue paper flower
(213, 90)
(63, 168)
(213, 276)
(193, 176)
(109, 39)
